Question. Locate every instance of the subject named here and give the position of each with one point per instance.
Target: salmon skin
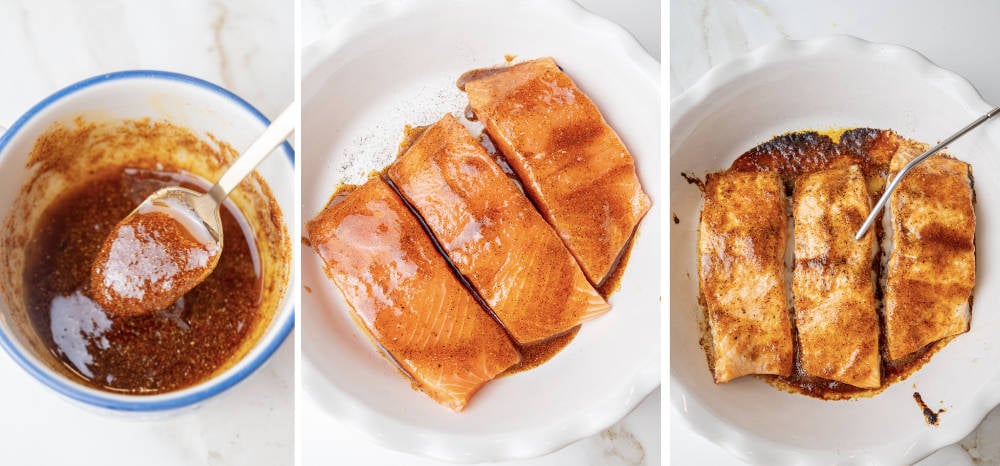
(493, 235)
(833, 282)
(741, 244)
(406, 297)
(932, 263)
(573, 165)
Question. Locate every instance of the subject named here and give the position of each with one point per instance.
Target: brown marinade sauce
(932, 417)
(165, 350)
(536, 354)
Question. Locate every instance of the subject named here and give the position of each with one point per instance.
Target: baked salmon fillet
(493, 235)
(833, 282)
(406, 296)
(741, 244)
(932, 264)
(572, 164)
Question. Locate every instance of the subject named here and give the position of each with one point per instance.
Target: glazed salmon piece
(573, 165)
(406, 297)
(833, 282)
(741, 245)
(932, 263)
(493, 235)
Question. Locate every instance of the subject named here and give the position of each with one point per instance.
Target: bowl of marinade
(73, 167)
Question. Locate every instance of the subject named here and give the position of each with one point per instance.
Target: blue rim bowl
(144, 403)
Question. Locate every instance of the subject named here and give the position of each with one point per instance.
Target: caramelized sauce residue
(165, 350)
(932, 417)
(799, 153)
(341, 192)
(691, 179)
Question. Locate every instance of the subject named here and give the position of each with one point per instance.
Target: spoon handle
(920, 158)
(274, 135)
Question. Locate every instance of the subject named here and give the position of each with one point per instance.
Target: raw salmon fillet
(741, 245)
(407, 297)
(493, 235)
(932, 264)
(573, 165)
(833, 280)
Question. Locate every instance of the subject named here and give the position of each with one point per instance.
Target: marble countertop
(633, 441)
(958, 36)
(245, 46)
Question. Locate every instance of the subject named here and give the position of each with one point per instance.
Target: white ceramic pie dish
(817, 84)
(396, 63)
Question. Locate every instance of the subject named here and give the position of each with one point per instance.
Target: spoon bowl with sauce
(173, 240)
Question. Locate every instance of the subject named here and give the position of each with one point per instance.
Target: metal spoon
(206, 206)
(130, 280)
(920, 158)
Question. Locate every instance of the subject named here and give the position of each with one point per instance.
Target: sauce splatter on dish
(932, 417)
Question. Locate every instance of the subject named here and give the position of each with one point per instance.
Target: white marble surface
(960, 36)
(633, 441)
(245, 46)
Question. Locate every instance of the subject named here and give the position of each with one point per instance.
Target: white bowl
(818, 84)
(187, 102)
(396, 63)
